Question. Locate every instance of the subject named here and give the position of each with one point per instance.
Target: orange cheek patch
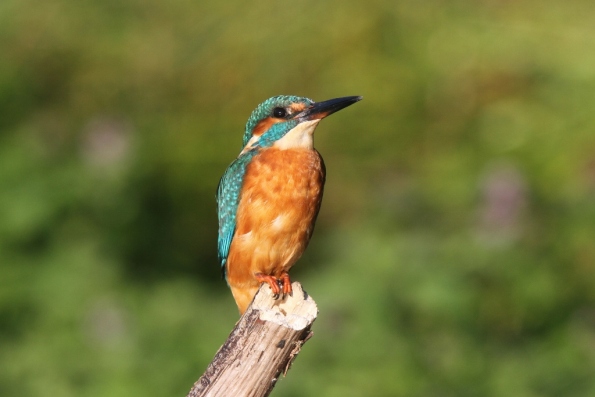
(297, 107)
(264, 125)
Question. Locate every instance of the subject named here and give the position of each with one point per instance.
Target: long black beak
(322, 109)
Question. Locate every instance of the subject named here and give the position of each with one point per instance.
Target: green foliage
(454, 253)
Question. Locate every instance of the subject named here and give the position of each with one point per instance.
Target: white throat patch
(299, 137)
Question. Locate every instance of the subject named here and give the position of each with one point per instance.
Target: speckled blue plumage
(230, 185)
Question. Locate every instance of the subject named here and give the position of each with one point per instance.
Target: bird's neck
(300, 137)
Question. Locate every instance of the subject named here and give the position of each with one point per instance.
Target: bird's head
(289, 121)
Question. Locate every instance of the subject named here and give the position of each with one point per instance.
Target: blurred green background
(455, 251)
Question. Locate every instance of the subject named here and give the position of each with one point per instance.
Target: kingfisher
(269, 197)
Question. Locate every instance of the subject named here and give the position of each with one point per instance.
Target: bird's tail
(243, 297)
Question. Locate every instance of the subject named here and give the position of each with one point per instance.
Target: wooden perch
(263, 344)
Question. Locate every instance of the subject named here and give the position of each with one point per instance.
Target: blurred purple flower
(106, 324)
(503, 202)
(106, 142)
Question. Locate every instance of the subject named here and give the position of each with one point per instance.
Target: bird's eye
(279, 112)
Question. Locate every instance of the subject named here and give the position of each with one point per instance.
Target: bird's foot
(280, 286)
(272, 281)
(286, 284)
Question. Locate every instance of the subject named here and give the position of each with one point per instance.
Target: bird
(269, 197)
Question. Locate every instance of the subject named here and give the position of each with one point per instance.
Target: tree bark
(263, 344)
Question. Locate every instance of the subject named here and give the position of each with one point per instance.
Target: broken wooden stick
(263, 344)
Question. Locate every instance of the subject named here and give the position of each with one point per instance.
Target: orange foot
(286, 282)
(271, 281)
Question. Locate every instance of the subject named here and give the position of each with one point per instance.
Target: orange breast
(279, 203)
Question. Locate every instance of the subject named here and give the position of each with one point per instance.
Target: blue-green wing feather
(228, 199)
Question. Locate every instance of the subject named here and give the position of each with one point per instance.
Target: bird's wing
(228, 199)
